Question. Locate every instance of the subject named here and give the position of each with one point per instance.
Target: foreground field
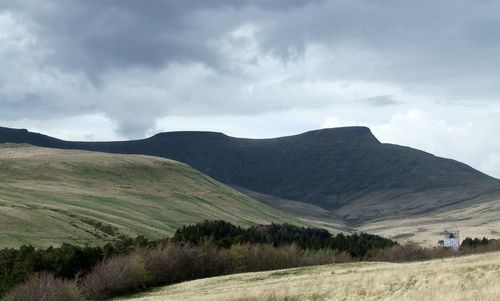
(474, 277)
(50, 196)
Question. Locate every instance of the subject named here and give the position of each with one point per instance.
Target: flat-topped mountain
(345, 171)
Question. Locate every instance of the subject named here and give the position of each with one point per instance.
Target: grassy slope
(344, 170)
(389, 190)
(313, 215)
(475, 220)
(50, 196)
(474, 277)
(46, 196)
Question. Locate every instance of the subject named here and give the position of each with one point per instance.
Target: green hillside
(50, 196)
(338, 176)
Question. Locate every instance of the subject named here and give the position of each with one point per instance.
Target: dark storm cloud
(115, 57)
(434, 38)
(96, 36)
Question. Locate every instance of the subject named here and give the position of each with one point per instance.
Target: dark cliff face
(302, 167)
(330, 167)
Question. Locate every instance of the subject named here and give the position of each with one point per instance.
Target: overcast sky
(420, 73)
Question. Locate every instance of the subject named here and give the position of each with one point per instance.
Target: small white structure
(451, 240)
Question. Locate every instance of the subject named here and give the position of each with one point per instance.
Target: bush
(44, 287)
(118, 275)
(408, 252)
(476, 245)
(174, 263)
(252, 258)
(342, 257)
(262, 257)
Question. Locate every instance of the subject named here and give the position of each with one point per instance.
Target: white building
(451, 240)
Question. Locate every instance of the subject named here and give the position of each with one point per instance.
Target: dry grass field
(475, 277)
(50, 196)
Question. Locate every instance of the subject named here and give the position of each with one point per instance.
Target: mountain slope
(345, 171)
(49, 196)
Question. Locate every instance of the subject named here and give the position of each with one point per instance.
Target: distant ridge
(344, 170)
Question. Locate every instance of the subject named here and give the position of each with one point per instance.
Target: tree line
(206, 249)
(224, 234)
(70, 261)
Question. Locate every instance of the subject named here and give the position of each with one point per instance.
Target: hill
(346, 174)
(473, 277)
(50, 196)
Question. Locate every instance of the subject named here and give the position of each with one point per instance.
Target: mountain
(50, 196)
(345, 173)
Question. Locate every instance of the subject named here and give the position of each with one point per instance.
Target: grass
(475, 220)
(475, 277)
(50, 196)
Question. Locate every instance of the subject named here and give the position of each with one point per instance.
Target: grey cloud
(444, 48)
(96, 36)
(419, 43)
(135, 126)
(415, 41)
(381, 100)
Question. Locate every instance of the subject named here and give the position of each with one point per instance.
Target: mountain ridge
(347, 171)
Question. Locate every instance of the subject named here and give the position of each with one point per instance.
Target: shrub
(174, 263)
(342, 257)
(408, 252)
(46, 287)
(118, 275)
(400, 253)
(262, 257)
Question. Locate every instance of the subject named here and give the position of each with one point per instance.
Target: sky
(425, 74)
